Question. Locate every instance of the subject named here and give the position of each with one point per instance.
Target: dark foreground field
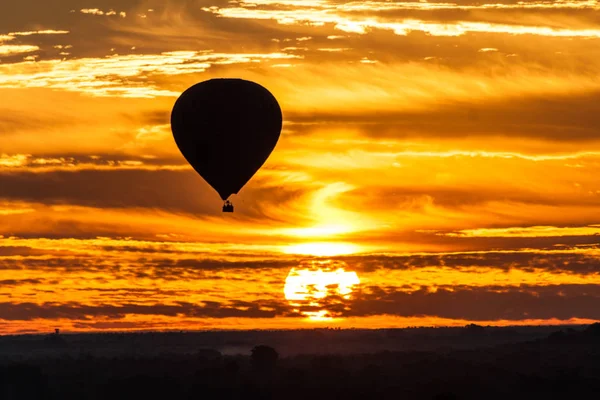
(447, 363)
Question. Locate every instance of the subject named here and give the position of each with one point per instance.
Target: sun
(321, 290)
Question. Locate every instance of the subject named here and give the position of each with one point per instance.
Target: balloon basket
(227, 207)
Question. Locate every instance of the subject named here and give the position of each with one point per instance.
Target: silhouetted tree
(593, 329)
(445, 396)
(474, 329)
(264, 358)
(55, 339)
(232, 368)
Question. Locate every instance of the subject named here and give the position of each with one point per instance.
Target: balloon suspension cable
(227, 207)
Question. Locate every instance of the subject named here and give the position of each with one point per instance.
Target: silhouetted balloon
(226, 129)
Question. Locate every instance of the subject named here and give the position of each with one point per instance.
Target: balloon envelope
(226, 129)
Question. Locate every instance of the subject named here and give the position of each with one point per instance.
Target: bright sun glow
(322, 249)
(320, 287)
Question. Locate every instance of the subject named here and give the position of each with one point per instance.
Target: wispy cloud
(532, 231)
(342, 17)
(7, 49)
(40, 32)
(125, 76)
(16, 49)
(109, 13)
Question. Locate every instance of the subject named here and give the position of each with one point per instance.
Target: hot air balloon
(226, 129)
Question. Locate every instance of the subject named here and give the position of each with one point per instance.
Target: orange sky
(445, 154)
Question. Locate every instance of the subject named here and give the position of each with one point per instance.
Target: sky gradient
(438, 165)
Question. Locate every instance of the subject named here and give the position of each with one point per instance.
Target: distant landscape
(473, 362)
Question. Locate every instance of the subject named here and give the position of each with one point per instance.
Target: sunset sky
(438, 165)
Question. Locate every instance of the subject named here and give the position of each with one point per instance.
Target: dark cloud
(12, 121)
(468, 195)
(208, 264)
(166, 262)
(115, 265)
(21, 251)
(566, 118)
(20, 282)
(156, 117)
(66, 227)
(483, 304)
(154, 189)
(189, 269)
(209, 309)
(66, 265)
(434, 242)
(457, 302)
(180, 191)
(549, 261)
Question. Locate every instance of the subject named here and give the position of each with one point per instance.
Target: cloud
(109, 13)
(472, 304)
(30, 311)
(532, 231)
(307, 199)
(557, 117)
(489, 303)
(9, 251)
(77, 162)
(145, 278)
(361, 18)
(7, 49)
(39, 32)
(116, 75)
(575, 260)
(126, 185)
(13, 121)
(18, 282)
